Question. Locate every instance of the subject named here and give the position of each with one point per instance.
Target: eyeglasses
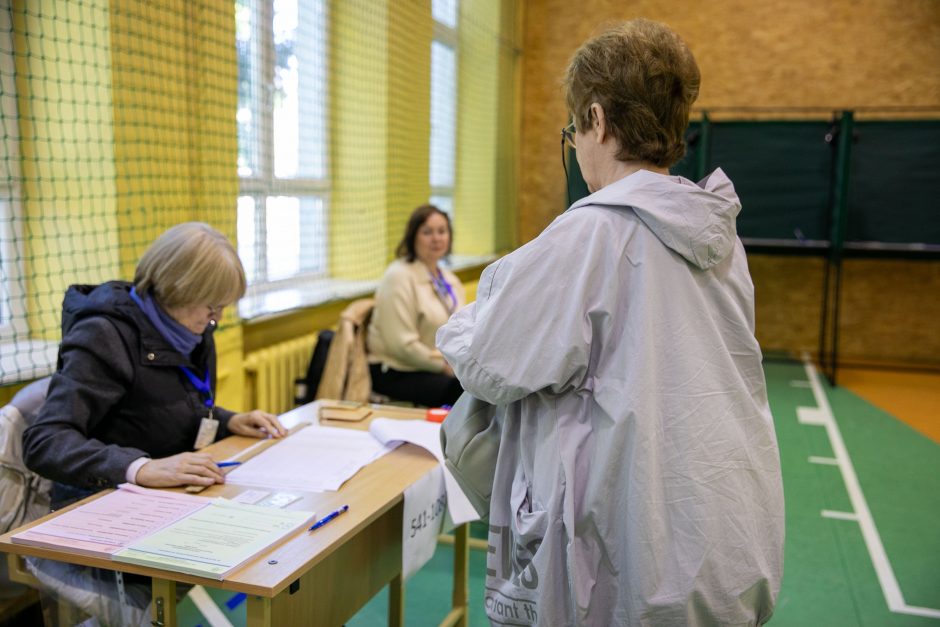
(568, 136)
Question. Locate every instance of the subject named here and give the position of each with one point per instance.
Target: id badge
(208, 429)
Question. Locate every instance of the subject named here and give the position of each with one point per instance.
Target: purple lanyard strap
(444, 291)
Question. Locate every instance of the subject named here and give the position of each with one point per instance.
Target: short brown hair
(406, 247)
(646, 79)
(191, 264)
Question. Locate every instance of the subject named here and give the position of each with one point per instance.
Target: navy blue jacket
(118, 393)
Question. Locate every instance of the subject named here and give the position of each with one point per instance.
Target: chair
(305, 389)
(345, 374)
(24, 495)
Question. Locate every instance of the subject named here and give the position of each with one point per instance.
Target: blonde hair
(646, 79)
(191, 264)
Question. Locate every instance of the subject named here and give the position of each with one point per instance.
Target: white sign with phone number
(425, 510)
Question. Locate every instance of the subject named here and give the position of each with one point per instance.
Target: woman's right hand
(182, 469)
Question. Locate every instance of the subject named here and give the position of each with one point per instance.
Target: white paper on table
(427, 435)
(425, 509)
(314, 459)
(216, 539)
(250, 497)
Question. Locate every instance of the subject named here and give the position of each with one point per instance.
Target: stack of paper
(427, 435)
(215, 540)
(313, 459)
(179, 532)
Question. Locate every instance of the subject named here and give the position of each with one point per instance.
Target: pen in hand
(328, 518)
(228, 464)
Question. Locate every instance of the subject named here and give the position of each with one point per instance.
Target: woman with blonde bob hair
(637, 480)
(133, 395)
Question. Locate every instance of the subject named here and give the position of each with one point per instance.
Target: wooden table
(320, 578)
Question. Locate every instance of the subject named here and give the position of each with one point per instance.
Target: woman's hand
(182, 469)
(256, 424)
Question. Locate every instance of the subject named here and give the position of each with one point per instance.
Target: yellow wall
(380, 97)
(359, 152)
(839, 53)
(409, 115)
(174, 77)
(479, 106)
(151, 106)
(62, 243)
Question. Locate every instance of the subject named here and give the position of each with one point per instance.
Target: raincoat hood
(108, 299)
(111, 299)
(695, 220)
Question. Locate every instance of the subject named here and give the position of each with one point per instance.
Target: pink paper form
(108, 524)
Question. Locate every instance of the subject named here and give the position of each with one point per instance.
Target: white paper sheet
(215, 540)
(314, 459)
(427, 435)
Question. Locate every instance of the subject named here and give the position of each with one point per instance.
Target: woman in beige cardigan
(414, 299)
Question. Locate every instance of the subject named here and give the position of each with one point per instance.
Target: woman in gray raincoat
(638, 476)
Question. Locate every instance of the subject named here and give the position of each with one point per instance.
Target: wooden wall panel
(838, 54)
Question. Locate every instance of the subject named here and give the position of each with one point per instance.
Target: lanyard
(202, 385)
(444, 291)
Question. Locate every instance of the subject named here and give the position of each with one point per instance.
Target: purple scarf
(179, 337)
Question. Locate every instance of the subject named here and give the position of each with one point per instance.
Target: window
(282, 139)
(12, 312)
(443, 103)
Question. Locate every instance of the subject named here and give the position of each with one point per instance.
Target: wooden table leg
(163, 612)
(396, 602)
(461, 572)
(458, 615)
(259, 611)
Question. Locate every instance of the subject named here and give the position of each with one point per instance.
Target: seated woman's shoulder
(399, 270)
(98, 333)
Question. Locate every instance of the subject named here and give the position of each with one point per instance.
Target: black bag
(305, 389)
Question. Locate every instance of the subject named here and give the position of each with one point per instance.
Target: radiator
(270, 373)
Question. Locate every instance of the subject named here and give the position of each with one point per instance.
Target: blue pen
(328, 517)
(227, 464)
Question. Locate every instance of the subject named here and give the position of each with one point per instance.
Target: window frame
(263, 184)
(447, 36)
(13, 322)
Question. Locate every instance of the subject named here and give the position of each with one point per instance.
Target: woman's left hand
(256, 424)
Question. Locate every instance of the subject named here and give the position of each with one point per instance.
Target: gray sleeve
(535, 319)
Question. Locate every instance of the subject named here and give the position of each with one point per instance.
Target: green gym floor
(863, 505)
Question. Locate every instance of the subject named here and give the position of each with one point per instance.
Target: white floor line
(823, 460)
(210, 611)
(879, 558)
(828, 513)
